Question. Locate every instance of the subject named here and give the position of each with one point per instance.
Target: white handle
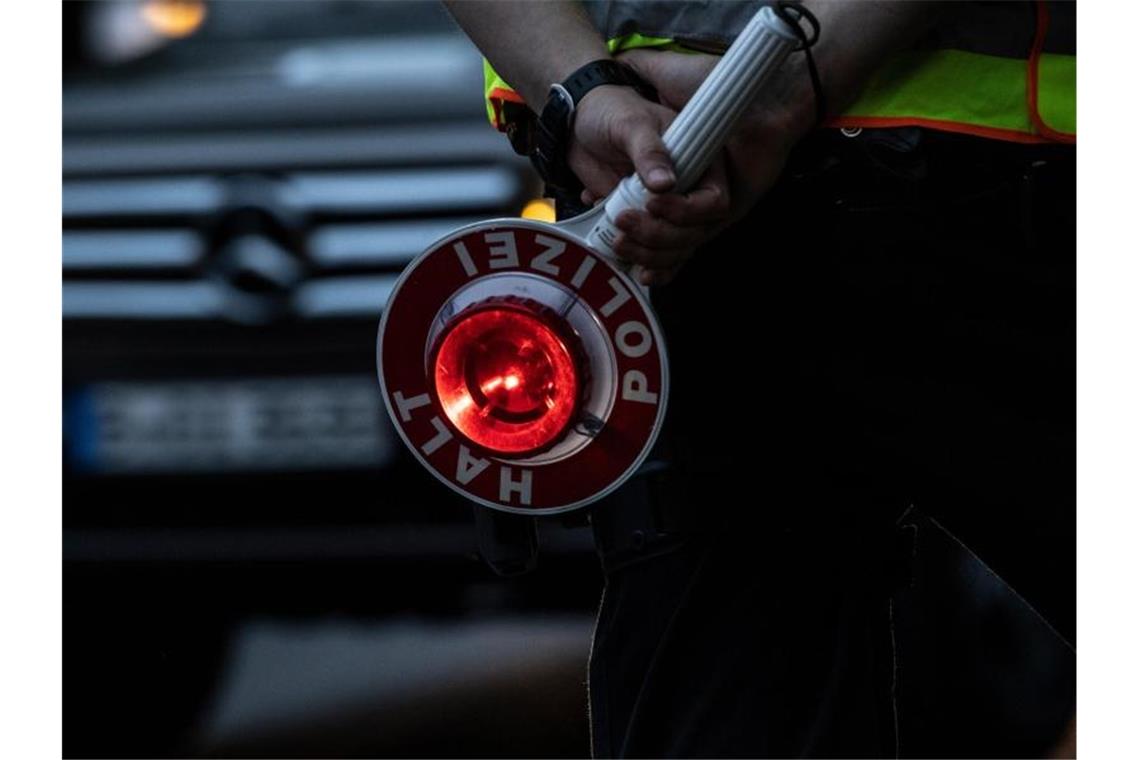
(703, 125)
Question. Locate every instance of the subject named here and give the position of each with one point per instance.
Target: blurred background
(253, 564)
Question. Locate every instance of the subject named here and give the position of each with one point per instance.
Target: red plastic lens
(506, 380)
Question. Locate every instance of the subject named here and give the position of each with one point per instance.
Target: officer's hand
(616, 132)
(759, 145)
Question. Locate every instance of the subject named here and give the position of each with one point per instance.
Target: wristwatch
(550, 137)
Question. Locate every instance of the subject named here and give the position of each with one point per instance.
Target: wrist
(604, 98)
(557, 71)
(786, 111)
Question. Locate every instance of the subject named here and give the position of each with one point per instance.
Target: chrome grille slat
(344, 297)
(428, 145)
(384, 244)
(131, 249)
(381, 192)
(183, 196)
(402, 191)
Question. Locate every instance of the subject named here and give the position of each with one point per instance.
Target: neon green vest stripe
(970, 88)
(1057, 92)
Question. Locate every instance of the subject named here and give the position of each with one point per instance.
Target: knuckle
(619, 128)
(633, 124)
(624, 122)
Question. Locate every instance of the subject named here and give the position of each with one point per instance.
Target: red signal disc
(549, 276)
(506, 380)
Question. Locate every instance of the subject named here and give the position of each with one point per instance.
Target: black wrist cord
(792, 13)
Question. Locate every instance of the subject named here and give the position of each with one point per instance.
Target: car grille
(256, 247)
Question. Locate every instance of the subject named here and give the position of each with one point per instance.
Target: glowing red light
(506, 379)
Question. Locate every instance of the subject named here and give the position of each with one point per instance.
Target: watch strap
(551, 135)
(605, 71)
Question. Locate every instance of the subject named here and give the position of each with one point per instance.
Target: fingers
(642, 142)
(653, 233)
(652, 277)
(700, 208)
(653, 259)
(598, 177)
(663, 235)
(706, 204)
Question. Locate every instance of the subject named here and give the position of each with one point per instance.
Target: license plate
(233, 425)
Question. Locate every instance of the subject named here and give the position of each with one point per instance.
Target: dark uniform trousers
(891, 327)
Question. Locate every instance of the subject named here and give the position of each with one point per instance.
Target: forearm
(531, 45)
(855, 38)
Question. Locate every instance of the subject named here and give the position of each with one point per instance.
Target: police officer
(875, 312)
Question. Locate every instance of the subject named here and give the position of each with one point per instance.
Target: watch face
(561, 101)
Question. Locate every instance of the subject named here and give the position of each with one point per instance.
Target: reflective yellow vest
(999, 70)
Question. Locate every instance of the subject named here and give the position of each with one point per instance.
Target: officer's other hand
(616, 132)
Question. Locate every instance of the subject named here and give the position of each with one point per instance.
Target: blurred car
(243, 182)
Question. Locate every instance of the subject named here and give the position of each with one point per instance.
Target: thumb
(643, 145)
